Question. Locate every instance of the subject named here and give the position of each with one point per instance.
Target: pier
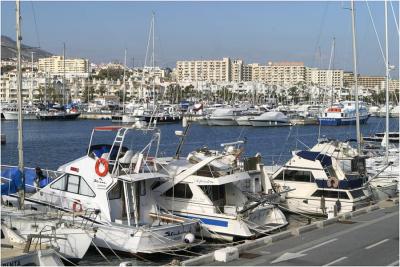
(368, 236)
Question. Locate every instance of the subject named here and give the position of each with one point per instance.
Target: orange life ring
(76, 204)
(104, 162)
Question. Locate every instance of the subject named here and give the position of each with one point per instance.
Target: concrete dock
(369, 236)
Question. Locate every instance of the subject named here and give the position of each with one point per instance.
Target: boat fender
(333, 182)
(103, 162)
(77, 206)
(188, 238)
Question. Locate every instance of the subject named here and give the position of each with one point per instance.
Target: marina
(209, 163)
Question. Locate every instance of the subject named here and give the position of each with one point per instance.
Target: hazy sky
(255, 32)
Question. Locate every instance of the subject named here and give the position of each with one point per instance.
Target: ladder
(118, 141)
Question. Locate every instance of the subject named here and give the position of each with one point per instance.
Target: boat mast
(63, 75)
(387, 85)
(331, 66)
(124, 92)
(355, 78)
(153, 64)
(19, 90)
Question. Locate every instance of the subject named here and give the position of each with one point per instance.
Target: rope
(105, 241)
(64, 258)
(101, 253)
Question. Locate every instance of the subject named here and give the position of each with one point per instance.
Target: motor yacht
(329, 176)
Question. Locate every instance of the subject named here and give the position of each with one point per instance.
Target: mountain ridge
(9, 50)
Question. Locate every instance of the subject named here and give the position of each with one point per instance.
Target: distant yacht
(270, 119)
(11, 113)
(343, 113)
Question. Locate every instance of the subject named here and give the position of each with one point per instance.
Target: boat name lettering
(170, 233)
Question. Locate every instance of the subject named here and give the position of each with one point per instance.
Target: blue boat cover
(310, 155)
(14, 183)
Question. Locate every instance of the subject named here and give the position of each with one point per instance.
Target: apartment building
(204, 70)
(73, 67)
(8, 86)
(393, 85)
(369, 82)
(285, 73)
(236, 70)
(325, 78)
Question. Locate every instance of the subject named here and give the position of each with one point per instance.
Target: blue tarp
(15, 183)
(309, 155)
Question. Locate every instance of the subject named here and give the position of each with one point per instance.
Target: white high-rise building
(325, 78)
(285, 73)
(204, 70)
(73, 67)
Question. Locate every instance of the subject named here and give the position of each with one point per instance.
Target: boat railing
(49, 174)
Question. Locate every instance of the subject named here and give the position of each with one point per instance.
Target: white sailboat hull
(13, 116)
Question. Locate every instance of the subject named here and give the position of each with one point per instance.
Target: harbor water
(49, 144)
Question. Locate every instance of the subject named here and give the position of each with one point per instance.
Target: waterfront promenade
(367, 239)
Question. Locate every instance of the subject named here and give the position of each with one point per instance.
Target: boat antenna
(355, 77)
(21, 191)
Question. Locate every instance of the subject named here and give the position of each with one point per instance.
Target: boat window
(214, 192)
(330, 194)
(60, 184)
(180, 191)
(358, 165)
(295, 175)
(357, 193)
(73, 184)
(116, 191)
(156, 184)
(84, 189)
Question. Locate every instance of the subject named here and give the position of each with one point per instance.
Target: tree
(7, 68)
(88, 93)
(102, 90)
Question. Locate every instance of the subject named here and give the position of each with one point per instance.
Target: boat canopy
(310, 155)
(272, 116)
(135, 177)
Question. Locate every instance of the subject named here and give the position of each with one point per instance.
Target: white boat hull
(257, 123)
(72, 242)
(13, 116)
(221, 122)
(142, 239)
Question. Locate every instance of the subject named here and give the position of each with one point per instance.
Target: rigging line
(394, 17)
(36, 27)
(376, 33)
(320, 30)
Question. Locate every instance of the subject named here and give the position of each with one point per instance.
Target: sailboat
(56, 112)
(384, 169)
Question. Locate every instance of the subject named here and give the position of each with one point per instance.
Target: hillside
(9, 50)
